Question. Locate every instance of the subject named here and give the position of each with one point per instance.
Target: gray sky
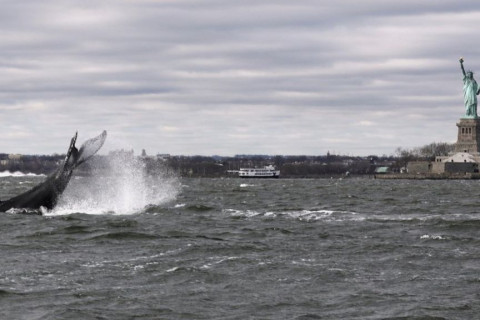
(234, 77)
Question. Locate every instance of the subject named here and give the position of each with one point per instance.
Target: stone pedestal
(468, 136)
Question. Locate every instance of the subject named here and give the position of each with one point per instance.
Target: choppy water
(247, 249)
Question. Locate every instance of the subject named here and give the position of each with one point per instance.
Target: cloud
(227, 77)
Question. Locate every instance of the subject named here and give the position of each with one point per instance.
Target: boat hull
(259, 177)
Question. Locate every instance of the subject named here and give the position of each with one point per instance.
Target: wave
(450, 221)
(200, 208)
(19, 174)
(26, 211)
(5, 293)
(433, 237)
(124, 235)
(302, 215)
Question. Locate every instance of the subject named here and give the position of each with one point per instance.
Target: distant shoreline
(427, 176)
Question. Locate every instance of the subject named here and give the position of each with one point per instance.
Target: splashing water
(122, 185)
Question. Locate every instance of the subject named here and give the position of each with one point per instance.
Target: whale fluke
(46, 194)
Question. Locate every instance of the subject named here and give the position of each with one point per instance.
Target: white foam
(216, 261)
(302, 215)
(245, 185)
(19, 174)
(22, 210)
(242, 213)
(432, 237)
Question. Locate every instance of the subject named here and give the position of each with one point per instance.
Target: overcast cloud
(234, 77)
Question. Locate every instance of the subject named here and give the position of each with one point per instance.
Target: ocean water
(176, 248)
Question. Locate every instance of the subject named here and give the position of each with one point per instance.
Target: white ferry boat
(265, 172)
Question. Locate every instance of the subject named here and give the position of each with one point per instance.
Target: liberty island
(463, 162)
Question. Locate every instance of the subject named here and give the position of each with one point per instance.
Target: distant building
(14, 156)
(467, 150)
(465, 158)
(163, 156)
(382, 170)
(122, 153)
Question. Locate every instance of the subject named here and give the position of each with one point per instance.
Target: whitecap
(309, 215)
(19, 174)
(245, 185)
(242, 213)
(302, 215)
(22, 210)
(173, 269)
(217, 260)
(432, 237)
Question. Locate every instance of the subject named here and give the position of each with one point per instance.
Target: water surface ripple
(252, 249)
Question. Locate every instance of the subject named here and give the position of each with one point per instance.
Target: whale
(47, 193)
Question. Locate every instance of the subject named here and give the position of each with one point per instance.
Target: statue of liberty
(470, 92)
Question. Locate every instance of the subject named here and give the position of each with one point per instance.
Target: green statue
(470, 92)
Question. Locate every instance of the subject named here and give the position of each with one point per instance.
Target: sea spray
(119, 184)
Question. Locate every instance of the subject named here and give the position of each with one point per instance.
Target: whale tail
(47, 193)
(88, 149)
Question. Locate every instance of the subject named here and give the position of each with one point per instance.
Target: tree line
(425, 153)
(218, 166)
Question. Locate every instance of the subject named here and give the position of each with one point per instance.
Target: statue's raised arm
(470, 91)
